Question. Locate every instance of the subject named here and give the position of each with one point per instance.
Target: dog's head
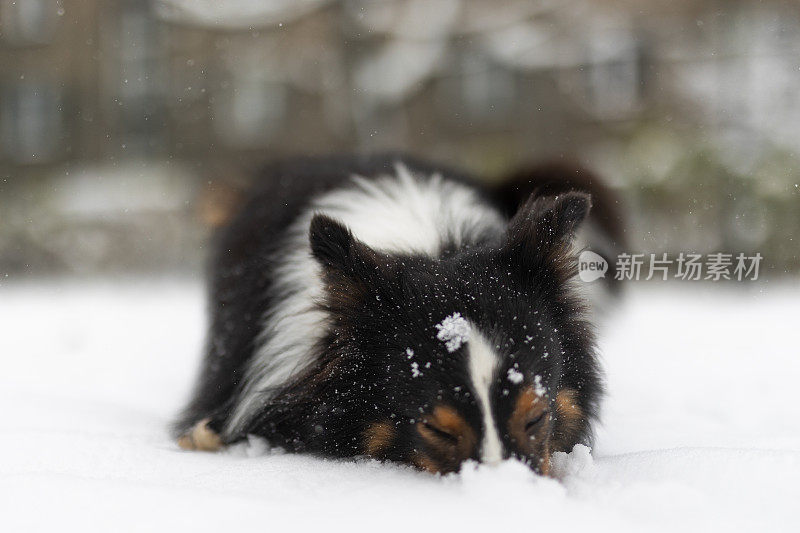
(482, 354)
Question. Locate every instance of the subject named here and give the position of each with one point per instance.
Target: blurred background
(129, 128)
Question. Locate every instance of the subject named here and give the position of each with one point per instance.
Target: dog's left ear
(545, 222)
(353, 273)
(337, 250)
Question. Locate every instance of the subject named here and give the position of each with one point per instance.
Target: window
(479, 89)
(250, 110)
(29, 22)
(30, 122)
(140, 78)
(614, 77)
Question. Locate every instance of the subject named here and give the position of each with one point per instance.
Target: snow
(453, 331)
(515, 376)
(701, 427)
(538, 388)
(95, 191)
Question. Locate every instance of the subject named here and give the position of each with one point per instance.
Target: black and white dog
(381, 307)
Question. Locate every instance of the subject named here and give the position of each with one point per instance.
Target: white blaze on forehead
(483, 361)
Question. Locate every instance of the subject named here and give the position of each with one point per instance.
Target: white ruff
(482, 369)
(402, 213)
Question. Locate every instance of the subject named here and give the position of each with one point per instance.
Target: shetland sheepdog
(390, 308)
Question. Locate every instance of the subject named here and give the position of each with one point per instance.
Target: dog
(390, 308)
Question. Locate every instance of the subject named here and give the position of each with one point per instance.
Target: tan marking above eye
(528, 407)
(448, 434)
(378, 437)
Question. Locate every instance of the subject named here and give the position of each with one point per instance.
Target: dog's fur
(381, 306)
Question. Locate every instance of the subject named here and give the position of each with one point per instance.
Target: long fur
(326, 290)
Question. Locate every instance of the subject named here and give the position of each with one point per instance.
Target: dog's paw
(201, 438)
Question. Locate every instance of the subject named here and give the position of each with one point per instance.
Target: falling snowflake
(453, 331)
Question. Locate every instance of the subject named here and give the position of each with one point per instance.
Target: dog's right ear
(337, 250)
(539, 237)
(544, 222)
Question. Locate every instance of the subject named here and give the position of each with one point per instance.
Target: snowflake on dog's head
(453, 331)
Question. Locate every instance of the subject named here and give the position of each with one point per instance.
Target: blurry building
(689, 107)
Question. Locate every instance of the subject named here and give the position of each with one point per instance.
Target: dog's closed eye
(446, 434)
(534, 423)
(441, 434)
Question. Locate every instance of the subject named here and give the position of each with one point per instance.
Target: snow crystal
(453, 331)
(515, 376)
(409, 353)
(252, 447)
(577, 463)
(415, 372)
(538, 387)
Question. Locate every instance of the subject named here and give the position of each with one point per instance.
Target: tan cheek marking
(423, 462)
(570, 414)
(570, 420)
(201, 438)
(567, 405)
(377, 438)
(544, 465)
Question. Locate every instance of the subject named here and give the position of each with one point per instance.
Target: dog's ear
(545, 222)
(337, 250)
(353, 273)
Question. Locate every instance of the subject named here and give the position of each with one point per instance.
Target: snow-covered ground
(701, 427)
